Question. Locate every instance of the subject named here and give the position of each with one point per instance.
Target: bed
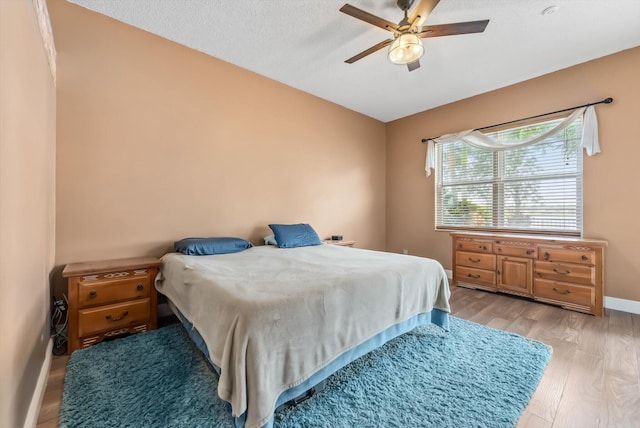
(275, 322)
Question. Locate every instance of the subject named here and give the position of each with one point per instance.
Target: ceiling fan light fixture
(405, 49)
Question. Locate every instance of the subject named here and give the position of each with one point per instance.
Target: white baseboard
(41, 386)
(624, 305)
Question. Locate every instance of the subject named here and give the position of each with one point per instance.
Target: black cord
(59, 323)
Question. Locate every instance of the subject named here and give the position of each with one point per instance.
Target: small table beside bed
(275, 321)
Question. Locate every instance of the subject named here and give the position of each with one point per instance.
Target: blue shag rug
(472, 376)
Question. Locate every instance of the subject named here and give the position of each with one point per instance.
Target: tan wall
(610, 178)
(27, 211)
(157, 142)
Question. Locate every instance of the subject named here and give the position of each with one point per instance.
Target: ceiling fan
(406, 46)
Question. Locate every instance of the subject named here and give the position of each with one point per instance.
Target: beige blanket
(271, 317)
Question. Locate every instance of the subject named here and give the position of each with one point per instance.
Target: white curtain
(476, 138)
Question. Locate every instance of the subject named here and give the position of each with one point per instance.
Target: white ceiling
(303, 43)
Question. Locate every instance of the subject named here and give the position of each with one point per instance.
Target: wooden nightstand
(110, 298)
(341, 243)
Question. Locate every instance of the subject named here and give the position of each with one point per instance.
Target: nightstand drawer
(563, 292)
(476, 260)
(566, 272)
(112, 316)
(101, 292)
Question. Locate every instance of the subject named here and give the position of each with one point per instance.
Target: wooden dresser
(568, 272)
(110, 298)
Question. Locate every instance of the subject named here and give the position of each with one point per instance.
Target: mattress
(276, 321)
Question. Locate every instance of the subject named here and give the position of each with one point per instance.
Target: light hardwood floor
(593, 378)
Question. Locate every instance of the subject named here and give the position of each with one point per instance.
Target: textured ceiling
(303, 43)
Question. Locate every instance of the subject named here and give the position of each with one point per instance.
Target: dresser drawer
(477, 246)
(476, 260)
(553, 254)
(528, 251)
(556, 291)
(101, 292)
(476, 276)
(566, 272)
(112, 317)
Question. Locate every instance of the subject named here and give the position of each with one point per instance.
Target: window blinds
(534, 188)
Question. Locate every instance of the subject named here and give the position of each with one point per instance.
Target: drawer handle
(474, 261)
(140, 287)
(483, 247)
(499, 249)
(546, 256)
(473, 276)
(124, 314)
(561, 292)
(93, 294)
(529, 252)
(584, 257)
(566, 272)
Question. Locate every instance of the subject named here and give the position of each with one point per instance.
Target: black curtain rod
(605, 101)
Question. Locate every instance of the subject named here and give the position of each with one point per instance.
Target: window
(534, 189)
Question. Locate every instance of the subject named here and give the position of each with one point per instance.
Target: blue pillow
(295, 235)
(208, 246)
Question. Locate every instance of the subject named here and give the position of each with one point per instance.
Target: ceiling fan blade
(414, 65)
(371, 50)
(453, 29)
(367, 17)
(422, 10)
